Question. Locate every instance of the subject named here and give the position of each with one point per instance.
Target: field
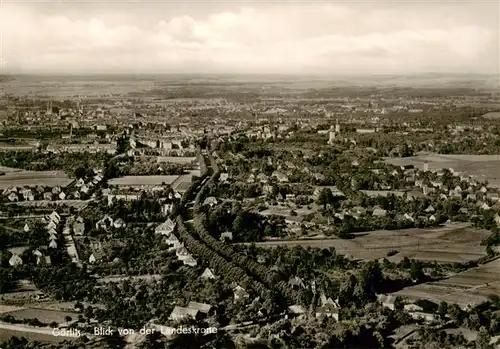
(470, 287)
(484, 167)
(177, 159)
(447, 244)
(34, 178)
(77, 204)
(136, 181)
(31, 333)
(43, 315)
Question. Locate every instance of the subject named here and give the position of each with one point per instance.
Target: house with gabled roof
(51, 225)
(78, 228)
(203, 308)
(165, 228)
(296, 281)
(240, 293)
(211, 201)
(15, 261)
(430, 209)
(208, 274)
(297, 309)
(379, 212)
(189, 260)
(328, 311)
(226, 236)
(53, 244)
(386, 300)
(180, 313)
(13, 197)
(26, 228)
(55, 216)
(119, 223)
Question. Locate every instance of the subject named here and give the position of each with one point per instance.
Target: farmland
(469, 287)
(484, 167)
(182, 160)
(32, 333)
(43, 315)
(34, 178)
(448, 244)
(138, 181)
(77, 204)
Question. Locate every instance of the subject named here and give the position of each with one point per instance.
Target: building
(386, 300)
(15, 261)
(180, 313)
(208, 274)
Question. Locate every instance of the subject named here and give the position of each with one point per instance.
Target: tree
(238, 224)
(443, 309)
(416, 270)
(80, 172)
(483, 339)
(325, 197)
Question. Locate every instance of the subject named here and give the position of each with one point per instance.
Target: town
(261, 215)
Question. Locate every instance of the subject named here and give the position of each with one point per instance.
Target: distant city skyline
(237, 37)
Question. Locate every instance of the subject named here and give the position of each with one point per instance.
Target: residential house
(165, 228)
(379, 212)
(119, 223)
(297, 309)
(386, 300)
(211, 201)
(240, 293)
(182, 253)
(62, 195)
(180, 313)
(55, 217)
(226, 236)
(251, 178)
(328, 311)
(471, 197)
(296, 281)
(51, 225)
(13, 197)
(262, 178)
(47, 196)
(104, 223)
(85, 189)
(15, 261)
(267, 189)
(167, 209)
(190, 261)
(281, 177)
(202, 308)
(56, 190)
(78, 228)
(53, 244)
(224, 177)
(208, 274)
(26, 228)
(92, 258)
(492, 196)
(408, 217)
(485, 206)
(430, 209)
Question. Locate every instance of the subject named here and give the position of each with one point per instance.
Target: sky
(282, 37)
